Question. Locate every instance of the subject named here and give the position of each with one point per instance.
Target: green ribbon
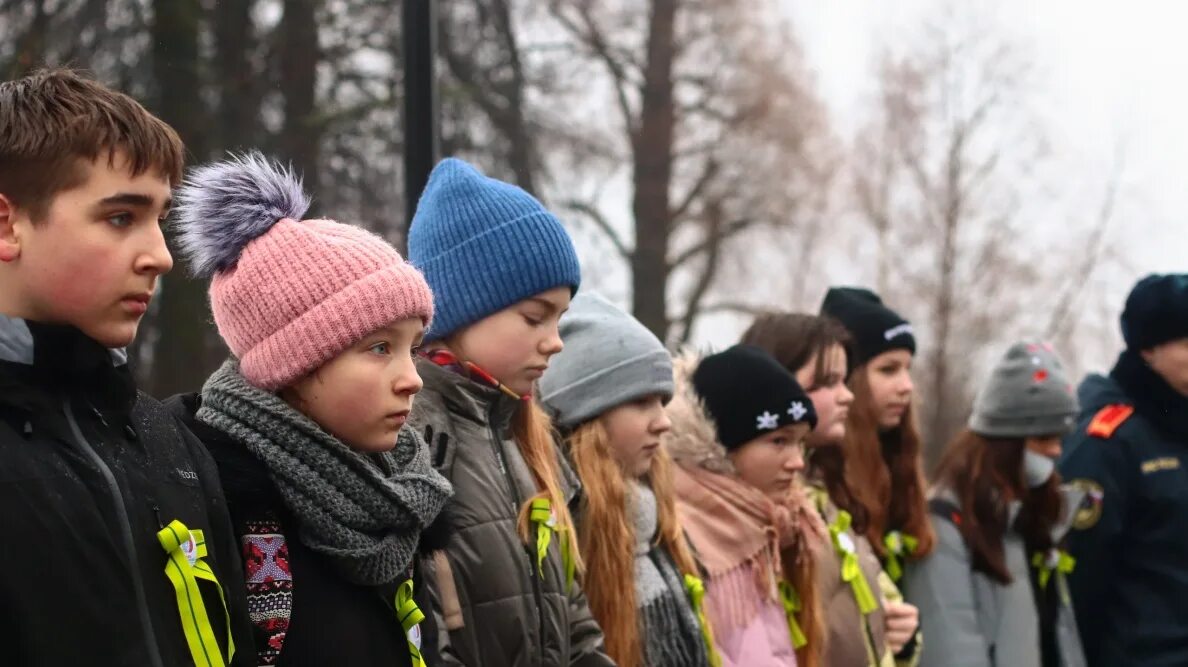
(899, 545)
(410, 616)
(791, 600)
(851, 571)
(541, 513)
(1053, 560)
(696, 590)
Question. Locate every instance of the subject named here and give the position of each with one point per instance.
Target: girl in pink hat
(332, 497)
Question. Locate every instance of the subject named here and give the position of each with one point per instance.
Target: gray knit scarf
(671, 631)
(364, 512)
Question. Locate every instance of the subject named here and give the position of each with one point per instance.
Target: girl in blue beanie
(502, 270)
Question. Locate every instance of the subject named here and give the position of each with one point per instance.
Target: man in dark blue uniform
(1129, 453)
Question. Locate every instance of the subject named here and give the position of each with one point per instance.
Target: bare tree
(711, 102)
(939, 175)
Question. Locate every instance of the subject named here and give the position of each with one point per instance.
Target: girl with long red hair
(607, 391)
(884, 466)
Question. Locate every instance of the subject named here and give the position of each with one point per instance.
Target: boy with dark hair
(116, 547)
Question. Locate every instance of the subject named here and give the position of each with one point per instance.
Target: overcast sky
(1112, 73)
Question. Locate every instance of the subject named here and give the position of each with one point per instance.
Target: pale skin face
(363, 395)
(515, 344)
(94, 260)
(772, 461)
(1046, 445)
(890, 378)
(831, 397)
(1170, 361)
(634, 430)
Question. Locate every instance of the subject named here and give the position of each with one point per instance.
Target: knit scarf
(365, 513)
(1153, 397)
(669, 628)
(736, 530)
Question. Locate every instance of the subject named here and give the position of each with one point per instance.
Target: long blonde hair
(607, 537)
(533, 432)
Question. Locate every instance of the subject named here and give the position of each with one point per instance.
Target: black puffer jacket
(90, 471)
(330, 621)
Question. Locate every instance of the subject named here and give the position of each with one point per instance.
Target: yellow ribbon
(541, 513)
(851, 572)
(185, 549)
(791, 600)
(696, 590)
(899, 545)
(1054, 560)
(410, 616)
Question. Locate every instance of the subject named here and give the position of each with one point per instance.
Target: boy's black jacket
(90, 471)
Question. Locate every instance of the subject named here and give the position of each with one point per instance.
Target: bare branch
(707, 175)
(1080, 276)
(711, 241)
(592, 37)
(701, 287)
(602, 223)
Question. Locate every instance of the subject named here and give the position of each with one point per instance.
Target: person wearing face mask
(1130, 537)
(993, 593)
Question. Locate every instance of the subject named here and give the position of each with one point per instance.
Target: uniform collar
(1153, 397)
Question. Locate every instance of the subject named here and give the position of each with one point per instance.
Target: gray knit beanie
(1027, 395)
(609, 359)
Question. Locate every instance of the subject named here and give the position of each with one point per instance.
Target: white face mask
(1037, 469)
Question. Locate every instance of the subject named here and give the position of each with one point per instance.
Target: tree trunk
(183, 355)
(298, 55)
(239, 99)
(30, 50)
(652, 149)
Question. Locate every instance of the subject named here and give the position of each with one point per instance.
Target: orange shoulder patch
(1108, 419)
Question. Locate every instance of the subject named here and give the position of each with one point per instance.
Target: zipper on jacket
(146, 622)
(537, 594)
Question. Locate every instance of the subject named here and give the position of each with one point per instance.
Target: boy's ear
(10, 246)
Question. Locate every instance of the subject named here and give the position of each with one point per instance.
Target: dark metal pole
(421, 147)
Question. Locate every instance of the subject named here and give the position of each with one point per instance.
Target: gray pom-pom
(223, 206)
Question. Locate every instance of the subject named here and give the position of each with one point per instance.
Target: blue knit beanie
(484, 245)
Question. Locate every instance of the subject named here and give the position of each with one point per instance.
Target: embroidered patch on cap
(798, 411)
(767, 421)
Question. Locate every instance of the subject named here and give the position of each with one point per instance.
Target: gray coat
(492, 606)
(970, 619)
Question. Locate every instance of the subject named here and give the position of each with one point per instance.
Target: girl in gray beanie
(993, 592)
(607, 390)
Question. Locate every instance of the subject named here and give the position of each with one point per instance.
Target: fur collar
(693, 440)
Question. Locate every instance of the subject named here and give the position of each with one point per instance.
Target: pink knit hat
(288, 295)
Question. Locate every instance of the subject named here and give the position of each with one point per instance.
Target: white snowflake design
(797, 410)
(767, 421)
